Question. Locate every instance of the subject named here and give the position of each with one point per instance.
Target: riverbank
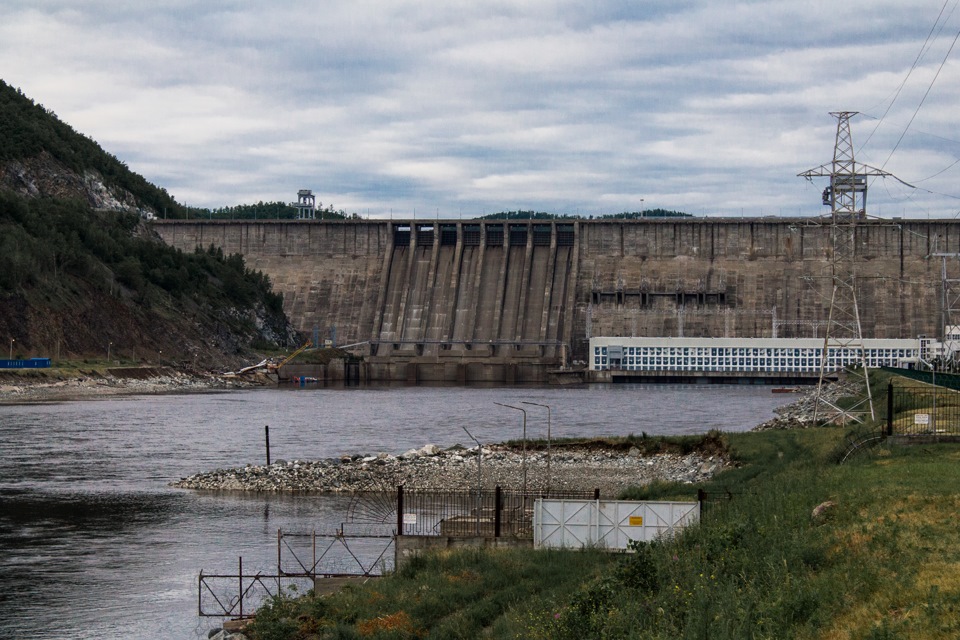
(608, 467)
(25, 386)
(799, 414)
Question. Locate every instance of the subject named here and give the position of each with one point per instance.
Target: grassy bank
(882, 563)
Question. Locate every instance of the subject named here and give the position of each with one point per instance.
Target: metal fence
(939, 378)
(302, 559)
(490, 513)
(344, 553)
(608, 524)
(920, 411)
(239, 595)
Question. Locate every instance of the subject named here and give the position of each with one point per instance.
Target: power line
(923, 99)
(913, 67)
(944, 170)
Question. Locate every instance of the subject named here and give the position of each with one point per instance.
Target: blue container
(30, 363)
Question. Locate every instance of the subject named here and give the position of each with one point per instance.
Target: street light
(479, 475)
(524, 459)
(109, 344)
(12, 340)
(537, 404)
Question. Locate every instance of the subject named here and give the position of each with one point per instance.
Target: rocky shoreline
(572, 468)
(799, 414)
(52, 386)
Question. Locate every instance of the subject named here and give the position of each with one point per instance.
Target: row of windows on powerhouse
(777, 352)
(793, 364)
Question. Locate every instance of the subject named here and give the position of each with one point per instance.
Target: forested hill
(41, 156)
(82, 274)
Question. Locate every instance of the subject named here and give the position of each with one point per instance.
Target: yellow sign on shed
(636, 521)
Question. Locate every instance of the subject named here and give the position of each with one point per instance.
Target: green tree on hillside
(45, 241)
(27, 130)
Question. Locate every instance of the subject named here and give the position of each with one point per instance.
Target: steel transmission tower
(847, 198)
(949, 312)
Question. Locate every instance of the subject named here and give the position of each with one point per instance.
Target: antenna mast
(847, 198)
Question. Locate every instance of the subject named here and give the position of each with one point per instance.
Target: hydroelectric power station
(510, 301)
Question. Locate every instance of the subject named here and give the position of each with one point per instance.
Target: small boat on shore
(785, 390)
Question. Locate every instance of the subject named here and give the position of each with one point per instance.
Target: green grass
(455, 594)
(713, 442)
(883, 563)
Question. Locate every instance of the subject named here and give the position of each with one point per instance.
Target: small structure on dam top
(306, 205)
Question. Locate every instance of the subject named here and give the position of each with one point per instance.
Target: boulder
(823, 511)
(429, 450)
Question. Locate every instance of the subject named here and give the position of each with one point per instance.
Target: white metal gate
(608, 524)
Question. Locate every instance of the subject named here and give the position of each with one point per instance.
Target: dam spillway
(507, 300)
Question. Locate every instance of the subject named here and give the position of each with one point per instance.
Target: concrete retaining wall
(407, 547)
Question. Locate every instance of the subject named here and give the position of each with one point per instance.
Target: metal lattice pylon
(847, 198)
(949, 310)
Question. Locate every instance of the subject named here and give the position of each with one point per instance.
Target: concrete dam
(508, 301)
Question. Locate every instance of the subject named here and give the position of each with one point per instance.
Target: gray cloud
(468, 108)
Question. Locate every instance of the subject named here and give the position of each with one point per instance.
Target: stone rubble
(799, 414)
(163, 380)
(223, 634)
(573, 468)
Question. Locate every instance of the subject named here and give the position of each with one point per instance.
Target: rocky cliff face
(43, 176)
(82, 278)
(73, 317)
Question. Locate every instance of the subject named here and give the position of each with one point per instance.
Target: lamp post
(109, 344)
(547, 407)
(524, 458)
(12, 340)
(479, 475)
(479, 458)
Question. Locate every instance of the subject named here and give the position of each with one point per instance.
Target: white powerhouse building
(799, 356)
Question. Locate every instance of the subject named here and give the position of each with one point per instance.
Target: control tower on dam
(510, 300)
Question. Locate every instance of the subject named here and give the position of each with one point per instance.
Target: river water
(95, 544)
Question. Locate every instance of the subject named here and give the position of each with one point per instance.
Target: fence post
(497, 507)
(596, 493)
(266, 429)
(701, 498)
(400, 510)
(890, 408)
(240, 592)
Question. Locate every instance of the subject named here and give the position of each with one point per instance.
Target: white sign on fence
(921, 418)
(609, 524)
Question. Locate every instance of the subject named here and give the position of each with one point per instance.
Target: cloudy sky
(456, 108)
